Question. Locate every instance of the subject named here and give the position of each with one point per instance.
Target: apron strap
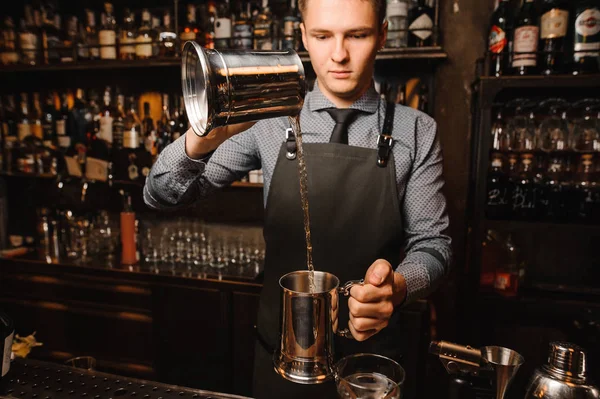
(385, 140)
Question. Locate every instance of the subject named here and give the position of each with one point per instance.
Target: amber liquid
(295, 123)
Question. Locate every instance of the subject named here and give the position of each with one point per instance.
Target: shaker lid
(196, 86)
(567, 358)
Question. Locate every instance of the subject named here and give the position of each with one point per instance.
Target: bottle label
(588, 22)
(61, 127)
(4, 129)
(242, 36)
(24, 130)
(554, 24)
(144, 46)
(6, 355)
(130, 139)
(64, 141)
(288, 28)
(497, 40)
(105, 133)
(37, 131)
(497, 163)
(108, 38)
(421, 27)
(28, 43)
(187, 36)
(73, 167)
(222, 28)
(127, 45)
(526, 41)
(397, 9)
(96, 169)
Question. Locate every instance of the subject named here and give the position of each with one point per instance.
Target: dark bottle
(500, 32)
(420, 25)
(525, 40)
(498, 205)
(524, 196)
(556, 188)
(586, 206)
(119, 123)
(7, 331)
(49, 116)
(164, 125)
(553, 31)
(586, 50)
(51, 41)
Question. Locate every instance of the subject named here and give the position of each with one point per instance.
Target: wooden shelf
(246, 184)
(419, 53)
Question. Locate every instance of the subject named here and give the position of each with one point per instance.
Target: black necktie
(343, 118)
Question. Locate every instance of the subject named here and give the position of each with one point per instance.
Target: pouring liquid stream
(295, 123)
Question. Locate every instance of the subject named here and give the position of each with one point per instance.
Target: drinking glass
(369, 376)
(82, 362)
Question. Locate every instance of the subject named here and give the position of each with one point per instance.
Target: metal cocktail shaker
(223, 87)
(563, 376)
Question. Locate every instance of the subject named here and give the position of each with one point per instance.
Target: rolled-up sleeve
(428, 248)
(176, 180)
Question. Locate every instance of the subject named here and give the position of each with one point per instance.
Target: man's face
(342, 37)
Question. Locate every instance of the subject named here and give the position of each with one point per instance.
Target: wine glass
(369, 376)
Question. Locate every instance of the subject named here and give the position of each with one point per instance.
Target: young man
(363, 215)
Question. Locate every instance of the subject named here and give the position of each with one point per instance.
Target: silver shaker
(563, 376)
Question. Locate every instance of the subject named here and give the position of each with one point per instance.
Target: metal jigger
(500, 363)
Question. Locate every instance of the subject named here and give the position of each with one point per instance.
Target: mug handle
(345, 290)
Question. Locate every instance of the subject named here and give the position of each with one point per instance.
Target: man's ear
(303, 30)
(383, 34)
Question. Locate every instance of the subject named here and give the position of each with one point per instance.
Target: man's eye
(359, 36)
(321, 37)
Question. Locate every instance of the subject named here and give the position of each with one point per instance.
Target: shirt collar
(368, 102)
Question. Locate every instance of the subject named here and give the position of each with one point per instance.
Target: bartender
(377, 210)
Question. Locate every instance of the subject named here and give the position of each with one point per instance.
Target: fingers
(363, 328)
(370, 293)
(379, 310)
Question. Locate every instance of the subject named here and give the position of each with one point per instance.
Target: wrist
(197, 147)
(400, 290)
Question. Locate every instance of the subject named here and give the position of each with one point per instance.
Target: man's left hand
(372, 304)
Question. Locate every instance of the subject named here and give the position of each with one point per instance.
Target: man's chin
(342, 88)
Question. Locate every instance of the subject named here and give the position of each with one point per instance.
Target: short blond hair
(378, 5)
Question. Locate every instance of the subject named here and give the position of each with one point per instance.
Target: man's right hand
(197, 147)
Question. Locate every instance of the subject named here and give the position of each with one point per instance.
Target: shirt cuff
(415, 269)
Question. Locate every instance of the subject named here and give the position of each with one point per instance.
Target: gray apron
(355, 219)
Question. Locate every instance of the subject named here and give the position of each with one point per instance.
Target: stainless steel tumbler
(223, 87)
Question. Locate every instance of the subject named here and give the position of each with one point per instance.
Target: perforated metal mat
(30, 379)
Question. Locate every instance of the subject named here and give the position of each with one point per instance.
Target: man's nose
(340, 53)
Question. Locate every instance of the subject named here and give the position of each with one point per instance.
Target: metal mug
(223, 87)
(308, 325)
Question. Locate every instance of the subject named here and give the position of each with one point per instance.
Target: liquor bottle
(28, 39)
(107, 36)
(510, 273)
(143, 47)
(132, 163)
(586, 50)
(209, 13)
(127, 37)
(524, 196)
(91, 48)
(167, 38)
(106, 118)
(585, 136)
(290, 22)
(500, 32)
(164, 126)
(149, 131)
(223, 26)
(35, 118)
(10, 133)
(587, 192)
(68, 39)
(498, 204)
(119, 123)
(24, 127)
(420, 25)
(154, 34)
(50, 35)
(525, 40)
(553, 32)
(396, 15)
(49, 117)
(63, 138)
(9, 53)
(262, 28)
(556, 188)
(190, 30)
(242, 29)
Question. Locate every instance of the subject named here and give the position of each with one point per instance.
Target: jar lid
(567, 358)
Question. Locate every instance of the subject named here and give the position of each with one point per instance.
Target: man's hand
(372, 304)
(197, 147)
